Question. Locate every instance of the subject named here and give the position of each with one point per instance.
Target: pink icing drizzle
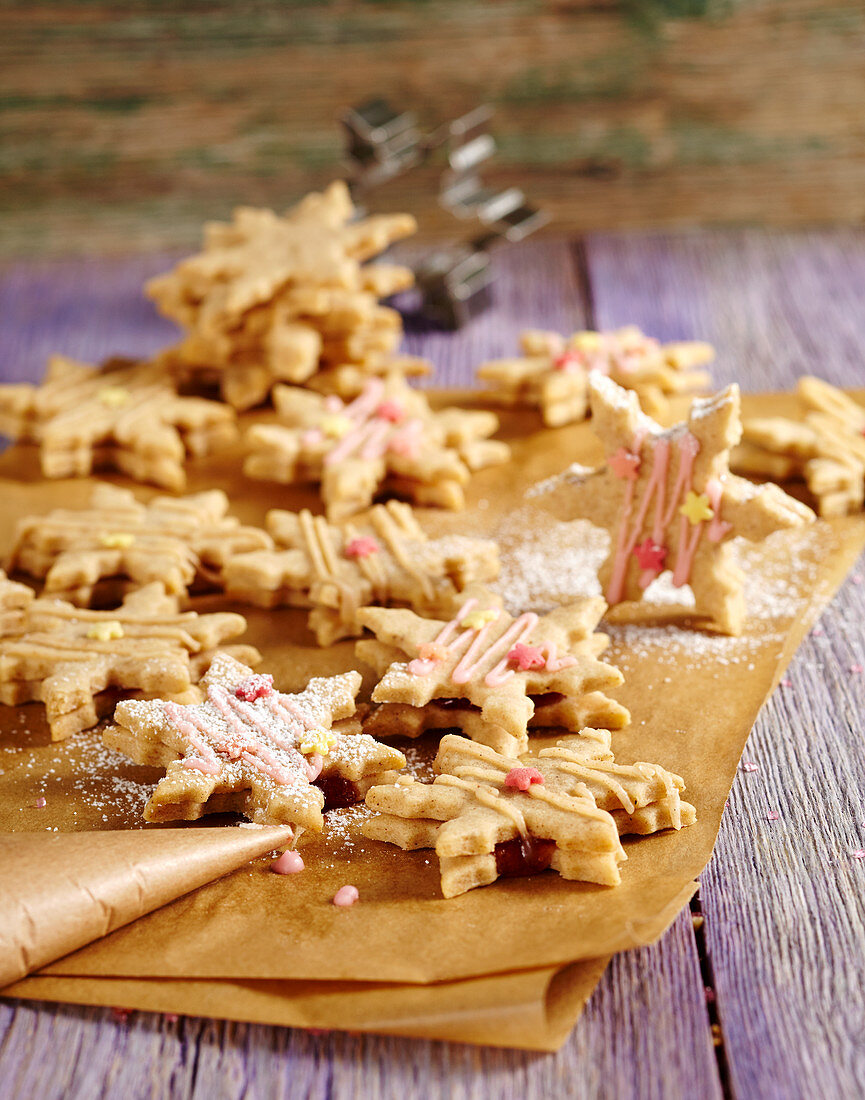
(447, 641)
(718, 527)
(664, 511)
(345, 896)
(289, 863)
(209, 743)
(554, 662)
(369, 433)
(406, 442)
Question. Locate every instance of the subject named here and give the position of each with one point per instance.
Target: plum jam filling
(523, 856)
(338, 792)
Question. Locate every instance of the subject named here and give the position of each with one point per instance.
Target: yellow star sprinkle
(696, 507)
(106, 631)
(116, 540)
(479, 619)
(587, 341)
(113, 396)
(335, 426)
(319, 740)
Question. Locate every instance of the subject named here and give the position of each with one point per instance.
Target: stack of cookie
(489, 674)
(383, 558)
(489, 815)
(289, 299)
(387, 439)
(122, 415)
(825, 449)
(77, 661)
(251, 749)
(552, 374)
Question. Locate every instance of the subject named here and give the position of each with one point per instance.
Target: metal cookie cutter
(380, 142)
(455, 282)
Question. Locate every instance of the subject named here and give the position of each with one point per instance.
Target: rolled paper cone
(61, 891)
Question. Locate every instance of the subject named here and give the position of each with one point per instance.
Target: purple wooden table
(764, 999)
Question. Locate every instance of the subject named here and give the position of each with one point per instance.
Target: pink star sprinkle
(858, 854)
(786, 683)
(625, 464)
(567, 360)
(650, 555)
(857, 578)
(170, 1017)
(772, 815)
(817, 632)
(257, 686)
(856, 668)
(750, 766)
(404, 445)
(390, 410)
(527, 657)
(522, 778)
(432, 651)
(361, 547)
(40, 803)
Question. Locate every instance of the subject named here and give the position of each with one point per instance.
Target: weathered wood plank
(784, 897)
(123, 126)
(642, 1038)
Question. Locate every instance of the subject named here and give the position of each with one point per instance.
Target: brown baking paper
(530, 1009)
(693, 700)
(59, 891)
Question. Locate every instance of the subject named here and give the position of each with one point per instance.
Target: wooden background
(782, 941)
(124, 125)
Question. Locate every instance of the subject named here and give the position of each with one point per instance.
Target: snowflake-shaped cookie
(387, 440)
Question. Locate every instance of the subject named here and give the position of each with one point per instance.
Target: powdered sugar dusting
(545, 563)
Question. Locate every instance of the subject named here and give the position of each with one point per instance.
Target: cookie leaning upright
(123, 415)
(273, 298)
(247, 748)
(489, 815)
(670, 503)
(388, 439)
(509, 672)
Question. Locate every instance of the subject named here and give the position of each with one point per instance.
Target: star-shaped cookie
(496, 663)
(180, 541)
(669, 502)
(68, 658)
(382, 558)
(274, 297)
(388, 440)
(123, 415)
(15, 598)
(826, 448)
(553, 372)
(250, 749)
(489, 815)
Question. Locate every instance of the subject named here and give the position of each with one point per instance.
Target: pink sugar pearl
(289, 863)
(345, 896)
